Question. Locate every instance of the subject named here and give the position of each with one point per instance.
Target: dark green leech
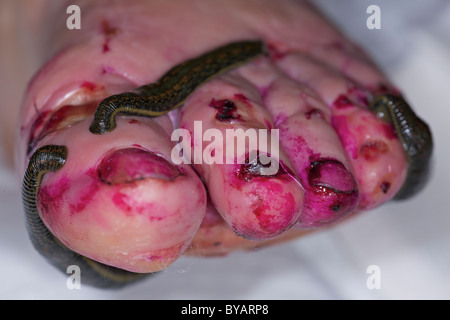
(46, 159)
(415, 136)
(174, 87)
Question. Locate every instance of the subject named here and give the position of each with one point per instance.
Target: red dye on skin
(109, 32)
(64, 114)
(108, 69)
(240, 97)
(153, 218)
(265, 220)
(107, 29)
(274, 210)
(371, 150)
(105, 46)
(51, 198)
(273, 217)
(61, 118)
(330, 173)
(37, 124)
(334, 191)
(335, 45)
(385, 186)
(297, 144)
(165, 254)
(281, 117)
(249, 171)
(58, 116)
(342, 102)
(381, 88)
(119, 199)
(85, 198)
(226, 110)
(274, 52)
(92, 172)
(268, 124)
(389, 131)
(346, 135)
(360, 95)
(88, 85)
(53, 195)
(154, 258)
(130, 206)
(336, 206)
(259, 207)
(263, 92)
(115, 168)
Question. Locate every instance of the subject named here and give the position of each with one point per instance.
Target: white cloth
(409, 241)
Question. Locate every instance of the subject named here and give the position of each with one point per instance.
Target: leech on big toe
(51, 158)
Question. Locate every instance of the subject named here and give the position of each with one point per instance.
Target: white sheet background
(409, 240)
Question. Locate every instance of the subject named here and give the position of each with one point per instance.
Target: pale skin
(119, 199)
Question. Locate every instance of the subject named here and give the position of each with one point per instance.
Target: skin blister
(122, 200)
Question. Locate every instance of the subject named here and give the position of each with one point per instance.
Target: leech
(174, 87)
(51, 158)
(415, 136)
